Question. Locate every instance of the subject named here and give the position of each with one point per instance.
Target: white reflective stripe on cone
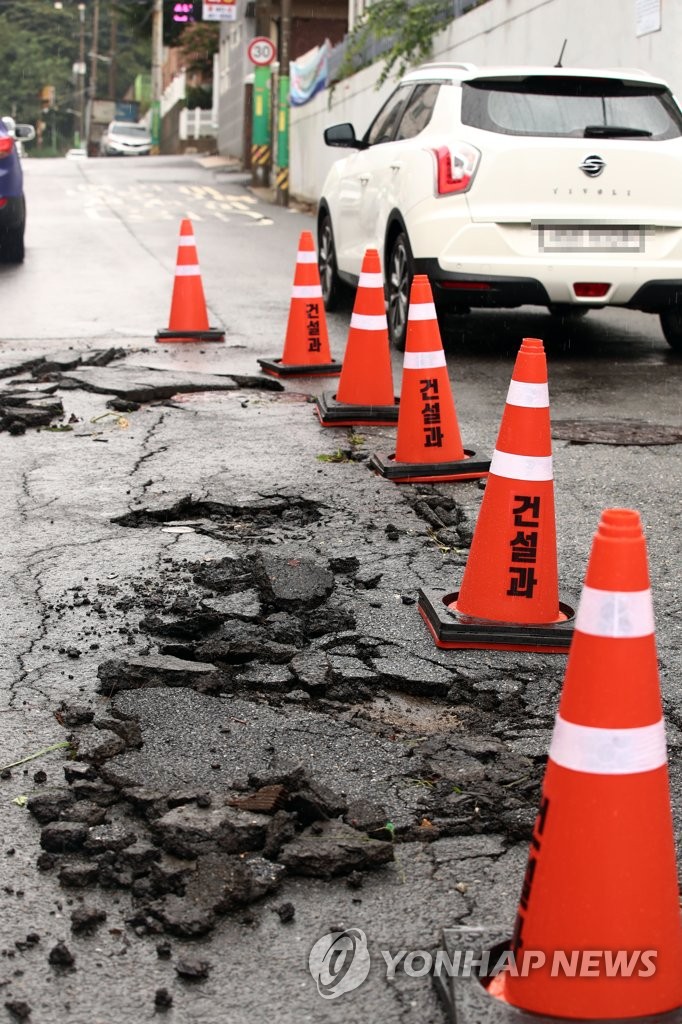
(582, 748)
(186, 240)
(521, 467)
(306, 291)
(188, 270)
(367, 322)
(421, 311)
(424, 360)
(305, 256)
(370, 280)
(529, 396)
(615, 613)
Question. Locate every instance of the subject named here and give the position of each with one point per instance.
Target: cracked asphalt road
(161, 533)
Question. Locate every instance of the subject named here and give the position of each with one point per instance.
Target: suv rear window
(571, 108)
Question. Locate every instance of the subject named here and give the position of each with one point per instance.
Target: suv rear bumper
(452, 289)
(487, 290)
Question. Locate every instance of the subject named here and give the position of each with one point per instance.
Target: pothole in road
(617, 432)
(255, 734)
(217, 519)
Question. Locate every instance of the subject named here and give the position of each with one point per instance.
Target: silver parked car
(125, 138)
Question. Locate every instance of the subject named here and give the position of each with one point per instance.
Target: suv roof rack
(449, 65)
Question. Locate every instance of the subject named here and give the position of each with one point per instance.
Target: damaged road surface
(227, 731)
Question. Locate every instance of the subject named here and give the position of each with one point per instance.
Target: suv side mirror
(26, 132)
(343, 135)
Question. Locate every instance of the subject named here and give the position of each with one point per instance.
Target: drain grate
(623, 432)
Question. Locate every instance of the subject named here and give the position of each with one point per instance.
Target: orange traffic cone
(365, 393)
(601, 884)
(306, 346)
(188, 317)
(509, 596)
(428, 446)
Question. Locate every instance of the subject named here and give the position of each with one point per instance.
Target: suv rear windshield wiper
(613, 131)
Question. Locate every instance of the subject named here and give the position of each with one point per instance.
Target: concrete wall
(599, 33)
(234, 69)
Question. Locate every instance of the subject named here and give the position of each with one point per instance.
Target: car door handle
(396, 167)
(364, 178)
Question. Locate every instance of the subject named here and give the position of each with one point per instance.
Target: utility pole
(283, 111)
(112, 53)
(157, 75)
(81, 74)
(95, 50)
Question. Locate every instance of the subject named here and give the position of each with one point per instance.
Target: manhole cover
(627, 432)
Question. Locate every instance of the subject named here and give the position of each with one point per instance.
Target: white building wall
(233, 71)
(599, 33)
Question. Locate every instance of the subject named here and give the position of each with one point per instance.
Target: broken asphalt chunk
(86, 919)
(143, 384)
(189, 830)
(19, 1009)
(63, 836)
(293, 583)
(61, 956)
(334, 849)
(96, 746)
(77, 874)
(192, 969)
(48, 805)
(154, 671)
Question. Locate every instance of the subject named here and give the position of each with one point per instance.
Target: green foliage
(38, 47)
(138, 16)
(198, 43)
(199, 96)
(406, 28)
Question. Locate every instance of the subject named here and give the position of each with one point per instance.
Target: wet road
(92, 542)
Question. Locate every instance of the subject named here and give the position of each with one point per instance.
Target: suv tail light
(455, 168)
(590, 289)
(6, 146)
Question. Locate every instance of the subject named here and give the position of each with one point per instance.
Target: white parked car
(125, 138)
(556, 187)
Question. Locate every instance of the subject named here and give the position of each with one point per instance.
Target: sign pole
(261, 52)
(283, 122)
(260, 136)
(283, 143)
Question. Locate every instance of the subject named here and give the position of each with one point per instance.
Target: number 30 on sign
(261, 51)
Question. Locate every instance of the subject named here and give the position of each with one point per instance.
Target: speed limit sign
(261, 51)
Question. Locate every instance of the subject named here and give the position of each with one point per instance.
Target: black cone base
(211, 334)
(276, 368)
(470, 468)
(342, 414)
(452, 631)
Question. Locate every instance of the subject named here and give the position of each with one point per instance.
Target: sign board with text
(219, 10)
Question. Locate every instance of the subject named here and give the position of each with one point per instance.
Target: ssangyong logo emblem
(592, 166)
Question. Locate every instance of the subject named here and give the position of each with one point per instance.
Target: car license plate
(574, 238)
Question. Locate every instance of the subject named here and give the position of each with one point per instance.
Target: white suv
(558, 187)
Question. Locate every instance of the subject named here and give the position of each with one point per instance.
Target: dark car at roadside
(12, 200)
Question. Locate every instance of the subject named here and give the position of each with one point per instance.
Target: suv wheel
(399, 274)
(12, 246)
(332, 286)
(671, 323)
